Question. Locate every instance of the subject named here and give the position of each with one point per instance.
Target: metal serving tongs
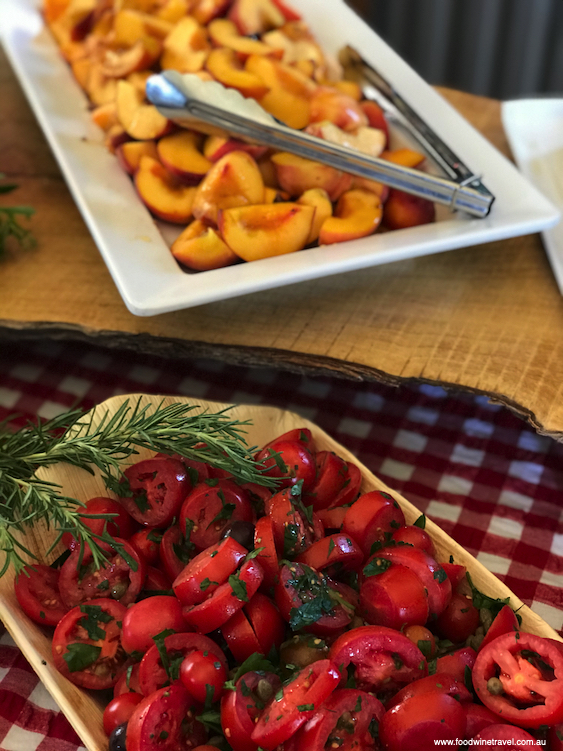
(209, 107)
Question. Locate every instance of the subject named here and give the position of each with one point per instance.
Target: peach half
(199, 247)
(142, 121)
(318, 198)
(263, 231)
(161, 193)
(296, 175)
(234, 180)
(180, 154)
(358, 214)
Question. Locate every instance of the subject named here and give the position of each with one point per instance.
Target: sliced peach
(205, 11)
(81, 70)
(234, 180)
(186, 47)
(256, 16)
(200, 248)
(405, 157)
(129, 154)
(358, 214)
(289, 13)
(217, 146)
(372, 185)
(224, 33)
(268, 172)
(105, 115)
(274, 195)
(403, 210)
(139, 80)
(142, 121)
(350, 88)
(100, 88)
(224, 65)
(296, 175)
(376, 117)
(318, 198)
(52, 9)
(367, 140)
(181, 155)
(296, 51)
(255, 232)
(129, 26)
(173, 10)
(161, 193)
(115, 136)
(144, 53)
(290, 90)
(339, 108)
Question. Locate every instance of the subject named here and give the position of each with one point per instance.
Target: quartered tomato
(351, 489)
(210, 508)
(290, 461)
(443, 682)
(519, 677)
(120, 578)
(293, 530)
(285, 714)
(147, 618)
(175, 551)
(333, 554)
(459, 620)
(392, 595)
(416, 536)
(267, 557)
(348, 719)
(153, 490)
(128, 681)
(147, 544)
(87, 645)
(154, 674)
(371, 518)
(255, 629)
(165, 721)
(241, 707)
(504, 623)
(37, 591)
(120, 523)
(457, 662)
(382, 658)
(332, 476)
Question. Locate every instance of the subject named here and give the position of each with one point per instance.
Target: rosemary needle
(104, 442)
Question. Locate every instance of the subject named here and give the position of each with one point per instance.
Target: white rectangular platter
(147, 277)
(534, 128)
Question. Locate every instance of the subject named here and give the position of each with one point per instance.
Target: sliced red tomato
(293, 532)
(197, 471)
(459, 620)
(514, 739)
(455, 573)
(284, 715)
(382, 657)
(343, 721)
(301, 435)
(204, 676)
(154, 674)
(241, 708)
(175, 551)
(164, 721)
(519, 677)
(119, 710)
(423, 638)
(153, 490)
(308, 601)
(333, 517)
(428, 570)
(37, 591)
(207, 571)
(371, 518)
(267, 557)
(504, 623)
(351, 490)
(393, 596)
(256, 628)
(437, 682)
(147, 618)
(86, 644)
(120, 578)
(147, 544)
(457, 662)
(128, 680)
(119, 525)
(290, 461)
(156, 582)
(477, 718)
(332, 475)
(422, 720)
(416, 536)
(333, 554)
(210, 508)
(226, 599)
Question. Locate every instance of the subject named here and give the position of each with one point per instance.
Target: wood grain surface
(486, 319)
(84, 709)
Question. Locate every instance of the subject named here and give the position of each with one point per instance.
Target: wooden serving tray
(84, 709)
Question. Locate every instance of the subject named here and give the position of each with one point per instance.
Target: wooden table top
(487, 319)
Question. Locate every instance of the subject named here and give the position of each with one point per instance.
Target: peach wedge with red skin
(199, 247)
(186, 47)
(224, 33)
(225, 66)
(318, 198)
(161, 193)
(358, 214)
(142, 122)
(234, 180)
(403, 210)
(217, 146)
(256, 16)
(296, 175)
(263, 231)
(130, 154)
(339, 108)
(180, 154)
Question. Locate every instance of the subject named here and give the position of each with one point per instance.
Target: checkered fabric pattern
(481, 473)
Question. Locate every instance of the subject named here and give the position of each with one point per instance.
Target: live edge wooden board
(486, 319)
(83, 709)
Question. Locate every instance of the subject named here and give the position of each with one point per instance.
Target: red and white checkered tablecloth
(486, 477)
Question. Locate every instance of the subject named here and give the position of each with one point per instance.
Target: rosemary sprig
(9, 221)
(104, 442)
